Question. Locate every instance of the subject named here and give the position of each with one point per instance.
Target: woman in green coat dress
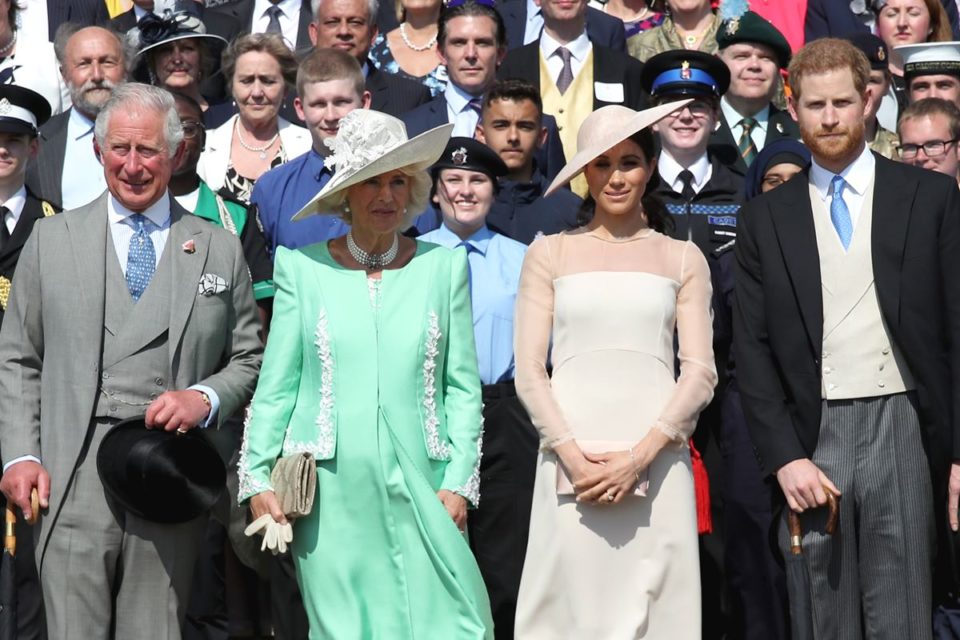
(371, 367)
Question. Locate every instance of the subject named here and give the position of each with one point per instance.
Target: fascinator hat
(604, 129)
(368, 144)
(153, 31)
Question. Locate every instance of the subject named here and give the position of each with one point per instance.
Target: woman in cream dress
(603, 562)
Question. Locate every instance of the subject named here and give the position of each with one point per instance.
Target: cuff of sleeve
(549, 445)
(26, 458)
(671, 431)
(214, 404)
(263, 289)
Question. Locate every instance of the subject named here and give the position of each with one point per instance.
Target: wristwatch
(206, 400)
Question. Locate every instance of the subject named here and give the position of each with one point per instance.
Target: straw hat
(604, 129)
(368, 144)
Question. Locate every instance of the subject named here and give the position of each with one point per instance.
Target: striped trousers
(872, 578)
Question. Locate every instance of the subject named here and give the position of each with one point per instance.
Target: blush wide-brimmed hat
(369, 143)
(604, 129)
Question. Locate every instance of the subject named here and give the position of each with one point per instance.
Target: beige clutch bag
(294, 480)
(565, 485)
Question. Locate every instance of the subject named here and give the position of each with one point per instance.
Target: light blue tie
(141, 259)
(839, 214)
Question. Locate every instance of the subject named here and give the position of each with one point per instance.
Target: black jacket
(723, 145)
(521, 212)
(34, 209)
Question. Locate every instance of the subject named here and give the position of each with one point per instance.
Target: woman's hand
(619, 470)
(266, 502)
(456, 506)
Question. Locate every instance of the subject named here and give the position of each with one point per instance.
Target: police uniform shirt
(494, 262)
(14, 206)
(670, 171)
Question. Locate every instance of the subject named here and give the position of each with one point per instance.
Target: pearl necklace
(373, 261)
(406, 40)
(5, 51)
(261, 150)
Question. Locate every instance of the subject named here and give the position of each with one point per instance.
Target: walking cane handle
(796, 533)
(833, 506)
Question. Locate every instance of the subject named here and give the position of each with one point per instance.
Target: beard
(844, 145)
(84, 100)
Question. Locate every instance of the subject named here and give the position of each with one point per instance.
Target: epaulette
(4, 292)
(48, 209)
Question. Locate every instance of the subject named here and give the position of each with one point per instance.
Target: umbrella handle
(796, 532)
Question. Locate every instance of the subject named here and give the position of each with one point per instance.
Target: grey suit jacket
(52, 336)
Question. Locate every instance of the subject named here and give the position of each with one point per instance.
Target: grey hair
(63, 34)
(373, 6)
(134, 96)
(420, 184)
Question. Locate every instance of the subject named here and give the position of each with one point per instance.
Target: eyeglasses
(191, 129)
(931, 149)
(697, 109)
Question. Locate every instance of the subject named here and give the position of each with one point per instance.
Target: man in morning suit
(126, 306)
(92, 64)
(348, 25)
(472, 43)
(290, 18)
(754, 51)
(524, 22)
(26, 110)
(847, 341)
(574, 75)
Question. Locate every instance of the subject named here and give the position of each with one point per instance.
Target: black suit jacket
(778, 309)
(603, 30)
(123, 22)
(85, 13)
(392, 94)
(242, 11)
(45, 174)
(434, 113)
(723, 146)
(609, 66)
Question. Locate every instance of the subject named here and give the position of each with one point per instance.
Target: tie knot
(476, 104)
(564, 54)
(838, 184)
(686, 176)
(274, 10)
(748, 124)
(140, 221)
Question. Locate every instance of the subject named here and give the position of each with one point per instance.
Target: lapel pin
(779, 128)
(189, 246)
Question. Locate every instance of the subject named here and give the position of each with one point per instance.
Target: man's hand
(177, 410)
(804, 485)
(20, 479)
(953, 492)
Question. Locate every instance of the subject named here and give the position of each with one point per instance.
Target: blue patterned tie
(839, 214)
(141, 259)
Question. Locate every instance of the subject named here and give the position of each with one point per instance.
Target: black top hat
(685, 73)
(752, 28)
(470, 155)
(158, 475)
(22, 110)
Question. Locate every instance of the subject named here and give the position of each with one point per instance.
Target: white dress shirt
(579, 50)
(759, 132)
(289, 19)
(857, 175)
(83, 180)
(670, 169)
(14, 205)
(463, 117)
(534, 23)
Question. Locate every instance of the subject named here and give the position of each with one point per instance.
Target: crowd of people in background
(592, 314)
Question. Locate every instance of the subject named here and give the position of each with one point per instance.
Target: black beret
(873, 47)
(470, 155)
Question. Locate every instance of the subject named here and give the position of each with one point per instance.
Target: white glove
(276, 536)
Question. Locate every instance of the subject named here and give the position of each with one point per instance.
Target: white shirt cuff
(21, 459)
(214, 403)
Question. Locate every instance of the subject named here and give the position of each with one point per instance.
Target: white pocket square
(211, 284)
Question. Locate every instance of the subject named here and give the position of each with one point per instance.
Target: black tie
(274, 14)
(4, 233)
(688, 194)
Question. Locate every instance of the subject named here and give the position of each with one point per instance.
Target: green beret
(753, 29)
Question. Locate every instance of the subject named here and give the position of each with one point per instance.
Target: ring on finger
(611, 496)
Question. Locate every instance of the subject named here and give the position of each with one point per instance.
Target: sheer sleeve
(698, 372)
(534, 324)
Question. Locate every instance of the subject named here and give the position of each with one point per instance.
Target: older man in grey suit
(126, 306)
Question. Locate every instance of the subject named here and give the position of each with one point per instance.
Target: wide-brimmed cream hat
(604, 129)
(369, 143)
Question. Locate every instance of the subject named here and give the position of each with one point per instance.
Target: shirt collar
(139, 12)
(158, 213)
(532, 10)
(457, 98)
(579, 48)
(15, 204)
(316, 164)
(479, 241)
(857, 174)
(733, 117)
(78, 125)
(289, 7)
(670, 169)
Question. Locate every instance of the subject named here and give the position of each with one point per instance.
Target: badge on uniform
(210, 285)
